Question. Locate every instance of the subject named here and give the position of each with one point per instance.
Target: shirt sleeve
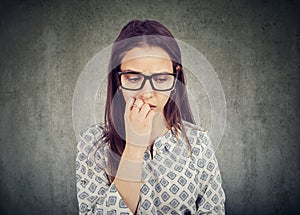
(95, 194)
(211, 199)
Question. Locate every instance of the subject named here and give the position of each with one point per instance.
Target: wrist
(133, 152)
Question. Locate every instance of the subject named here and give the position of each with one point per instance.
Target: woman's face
(147, 60)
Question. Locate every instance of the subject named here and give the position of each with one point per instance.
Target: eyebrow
(136, 72)
(128, 70)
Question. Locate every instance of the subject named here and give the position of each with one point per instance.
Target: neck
(159, 126)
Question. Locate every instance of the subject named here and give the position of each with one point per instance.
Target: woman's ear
(177, 68)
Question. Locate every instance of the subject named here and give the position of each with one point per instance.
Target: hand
(138, 122)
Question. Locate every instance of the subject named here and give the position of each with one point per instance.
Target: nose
(147, 90)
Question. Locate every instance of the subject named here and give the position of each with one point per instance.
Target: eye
(160, 78)
(134, 78)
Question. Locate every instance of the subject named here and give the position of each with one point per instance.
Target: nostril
(147, 95)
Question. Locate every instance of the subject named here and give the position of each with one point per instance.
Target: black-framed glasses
(135, 81)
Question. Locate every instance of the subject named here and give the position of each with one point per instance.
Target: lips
(152, 106)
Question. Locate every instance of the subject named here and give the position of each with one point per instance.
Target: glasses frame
(147, 77)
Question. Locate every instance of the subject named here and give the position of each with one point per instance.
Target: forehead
(147, 58)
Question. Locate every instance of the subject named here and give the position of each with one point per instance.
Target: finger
(129, 104)
(139, 103)
(135, 110)
(144, 110)
(136, 106)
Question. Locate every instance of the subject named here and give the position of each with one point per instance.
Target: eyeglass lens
(159, 81)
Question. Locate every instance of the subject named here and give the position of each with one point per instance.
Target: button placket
(146, 155)
(165, 149)
(157, 147)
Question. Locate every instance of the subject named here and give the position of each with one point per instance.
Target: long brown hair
(145, 33)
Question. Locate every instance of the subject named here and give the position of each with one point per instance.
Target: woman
(149, 157)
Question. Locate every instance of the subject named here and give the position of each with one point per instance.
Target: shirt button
(146, 156)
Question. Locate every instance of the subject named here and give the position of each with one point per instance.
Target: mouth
(152, 107)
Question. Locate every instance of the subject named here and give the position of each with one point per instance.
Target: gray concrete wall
(252, 45)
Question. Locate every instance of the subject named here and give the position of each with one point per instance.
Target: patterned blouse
(173, 180)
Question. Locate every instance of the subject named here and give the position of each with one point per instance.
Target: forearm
(128, 177)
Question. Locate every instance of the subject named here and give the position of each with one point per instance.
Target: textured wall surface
(254, 47)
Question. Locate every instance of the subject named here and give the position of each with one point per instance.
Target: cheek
(163, 98)
(128, 94)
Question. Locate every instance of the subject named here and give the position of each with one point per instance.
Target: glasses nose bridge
(148, 78)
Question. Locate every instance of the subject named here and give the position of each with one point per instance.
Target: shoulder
(197, 136)
(193, 130)
(91, 137)
(92, 133)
